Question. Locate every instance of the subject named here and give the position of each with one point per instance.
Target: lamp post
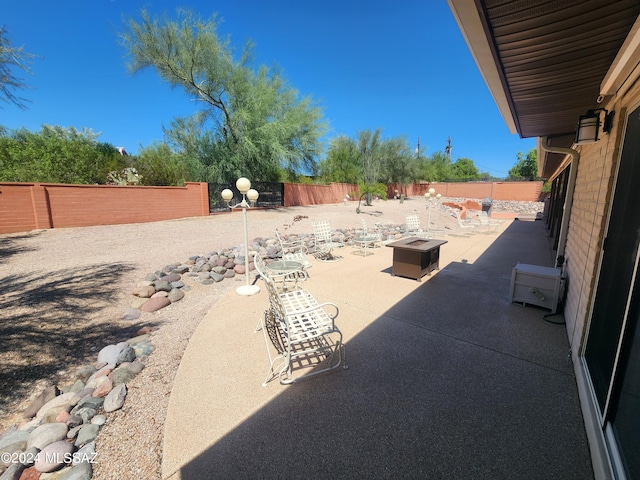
(248, 193)
(432, 199)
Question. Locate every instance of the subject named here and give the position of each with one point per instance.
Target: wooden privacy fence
(31, 206)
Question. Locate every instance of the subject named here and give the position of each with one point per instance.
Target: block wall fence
(300, 194)
(33, 206)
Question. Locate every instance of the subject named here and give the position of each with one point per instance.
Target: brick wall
(588, 216)
(29, 206)
(518, 191)
(299, 194)
(296, 194)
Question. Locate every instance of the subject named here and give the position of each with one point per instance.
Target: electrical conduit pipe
(568, 201)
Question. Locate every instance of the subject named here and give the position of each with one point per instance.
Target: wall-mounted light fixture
(589, 126)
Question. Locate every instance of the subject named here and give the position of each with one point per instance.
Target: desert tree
(12, 59)
(250, 121)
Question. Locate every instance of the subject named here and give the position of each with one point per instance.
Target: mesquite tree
(250, 122)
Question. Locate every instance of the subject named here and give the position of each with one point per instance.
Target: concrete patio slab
(447, 379)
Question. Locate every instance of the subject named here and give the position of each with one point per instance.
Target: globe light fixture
(432, 199)
(244, 187)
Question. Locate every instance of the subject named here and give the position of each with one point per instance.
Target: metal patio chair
(413, 227)
(303, 333)
(325, 242)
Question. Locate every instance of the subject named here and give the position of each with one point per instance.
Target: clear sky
(398, 65)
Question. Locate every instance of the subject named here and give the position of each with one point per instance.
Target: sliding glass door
(611, 352)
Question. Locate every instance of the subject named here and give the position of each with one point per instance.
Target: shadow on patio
(447, 379)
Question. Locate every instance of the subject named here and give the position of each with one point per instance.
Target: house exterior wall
(588, 218)
(593, 195)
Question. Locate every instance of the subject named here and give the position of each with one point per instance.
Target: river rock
(116, 398)
(143, 348)
(53, 456)
(106, 370)
(219, 270)
(93, 384)
(17, 446)
(143, 291)
(36, 404)
(73, 421)
(124, 373)
(109, 354)
(103, 387)
(155, 304)
(131, 314)
(62, 399)
(141, 337)
(175, 295)
(127, 354)
(136, 303)
(16, 471)
(81, 471)
(99, 420)
(62, 416)
(171, 277)
(85, 454)
(47, 434)
(53, 412)
(14, 436)
(162, 285)
(86, 413)
(87, 434)
(77, 386)
(91, 402)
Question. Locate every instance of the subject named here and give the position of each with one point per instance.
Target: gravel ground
(63, 293)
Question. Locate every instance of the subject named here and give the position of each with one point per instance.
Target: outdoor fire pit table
(414, 257)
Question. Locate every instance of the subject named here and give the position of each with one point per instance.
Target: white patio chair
(325, 242)
(487, 224)
(413, 227)
(467, 227)
(415, 230)
(303, 333)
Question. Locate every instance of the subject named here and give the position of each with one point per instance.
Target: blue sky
(398, 65)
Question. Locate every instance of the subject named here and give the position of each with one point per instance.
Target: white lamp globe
(226, 195)
(432, 191)
(243, 184)
(252, 195)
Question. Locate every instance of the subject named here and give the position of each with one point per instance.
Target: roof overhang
(546, 63)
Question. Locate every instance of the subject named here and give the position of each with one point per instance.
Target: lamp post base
(247, 290)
